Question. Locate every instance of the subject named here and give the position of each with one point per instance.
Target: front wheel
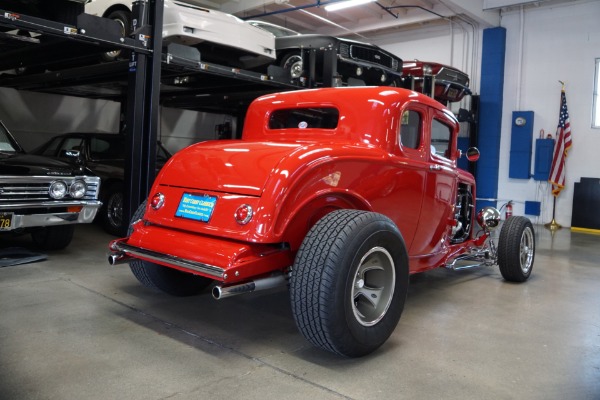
(349, 282)
(53, 237)
(168, 280)
(516, 249)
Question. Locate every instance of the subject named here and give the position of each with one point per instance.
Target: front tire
(168, 280)
(349, 282)
(53, 237)
(516, 249)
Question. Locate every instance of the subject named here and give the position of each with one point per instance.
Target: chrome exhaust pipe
(221, 292)
(118, 258)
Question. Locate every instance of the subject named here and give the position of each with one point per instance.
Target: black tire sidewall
(114, 189)
(509, 245)
(375, 234)
(323, 276)
(125, 18)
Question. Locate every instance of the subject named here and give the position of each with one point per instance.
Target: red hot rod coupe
(340, 193)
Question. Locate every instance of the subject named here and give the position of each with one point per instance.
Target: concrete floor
(72, 327)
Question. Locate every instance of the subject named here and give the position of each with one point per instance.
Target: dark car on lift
(103, 155)
(352, 63)
(444, 83)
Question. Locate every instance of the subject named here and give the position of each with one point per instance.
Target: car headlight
(57, 190)
(488, 217)
(427, 70)
(78, 189)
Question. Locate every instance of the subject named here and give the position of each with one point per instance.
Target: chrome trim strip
(207, 269)
(52, 204)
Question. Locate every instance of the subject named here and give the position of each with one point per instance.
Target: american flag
(563, 144)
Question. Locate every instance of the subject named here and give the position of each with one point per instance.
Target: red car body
(285, 175)
(248, 213)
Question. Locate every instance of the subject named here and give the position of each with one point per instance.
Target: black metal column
(142, 119)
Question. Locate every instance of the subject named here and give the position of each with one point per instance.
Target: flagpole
(563, 144)
(553, 225)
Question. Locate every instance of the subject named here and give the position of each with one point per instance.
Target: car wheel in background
(53, 237)
(124, 20)
(112, 210)
(292, 64)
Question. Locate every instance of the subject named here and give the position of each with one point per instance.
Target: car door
(440, 189)
(410, 162)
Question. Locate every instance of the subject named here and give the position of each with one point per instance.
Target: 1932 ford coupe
(341, 193)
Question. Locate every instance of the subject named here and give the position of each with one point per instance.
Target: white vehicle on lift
(220, 37)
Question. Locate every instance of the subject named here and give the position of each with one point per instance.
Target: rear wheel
(53, 237)
(168, 280)
(124, 19)
(516, 249)
(349, 282)
(112, 210)
(292, 63)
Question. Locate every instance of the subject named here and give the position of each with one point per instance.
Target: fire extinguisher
(509, 209)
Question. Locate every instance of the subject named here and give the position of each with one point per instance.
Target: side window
(410, 129)
(441, 135)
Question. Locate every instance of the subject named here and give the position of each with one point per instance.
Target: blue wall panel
(490, 113)
(521, 145)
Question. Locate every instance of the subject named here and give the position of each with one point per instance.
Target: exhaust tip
(216, 292)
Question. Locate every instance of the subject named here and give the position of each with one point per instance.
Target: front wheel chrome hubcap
(527, 248)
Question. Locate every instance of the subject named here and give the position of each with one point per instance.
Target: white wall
(35, 117)
(560, 43)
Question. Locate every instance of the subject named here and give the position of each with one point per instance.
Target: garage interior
(71, 326)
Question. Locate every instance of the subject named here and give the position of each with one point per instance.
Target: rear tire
(516, 249)
(292, 64)
(112, 210)
(124, 20)
(349, 282)
(168, 280)
(53, 237)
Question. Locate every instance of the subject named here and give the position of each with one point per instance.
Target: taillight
(243, 214)
(157, 201)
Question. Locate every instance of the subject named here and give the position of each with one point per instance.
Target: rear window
(304, 118)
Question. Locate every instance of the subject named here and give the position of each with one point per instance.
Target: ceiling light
(346, 4)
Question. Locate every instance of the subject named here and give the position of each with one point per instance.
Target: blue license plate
(196, 207)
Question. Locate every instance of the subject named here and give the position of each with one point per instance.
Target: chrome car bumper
(85, 215)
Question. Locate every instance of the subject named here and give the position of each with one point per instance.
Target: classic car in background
(42, 196)
(103, 155)
(340, 193)
(446, 84)
(56, 10)
(338, 61)
(220, 37)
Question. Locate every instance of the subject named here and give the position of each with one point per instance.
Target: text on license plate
(197, 207)
(5, 221)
